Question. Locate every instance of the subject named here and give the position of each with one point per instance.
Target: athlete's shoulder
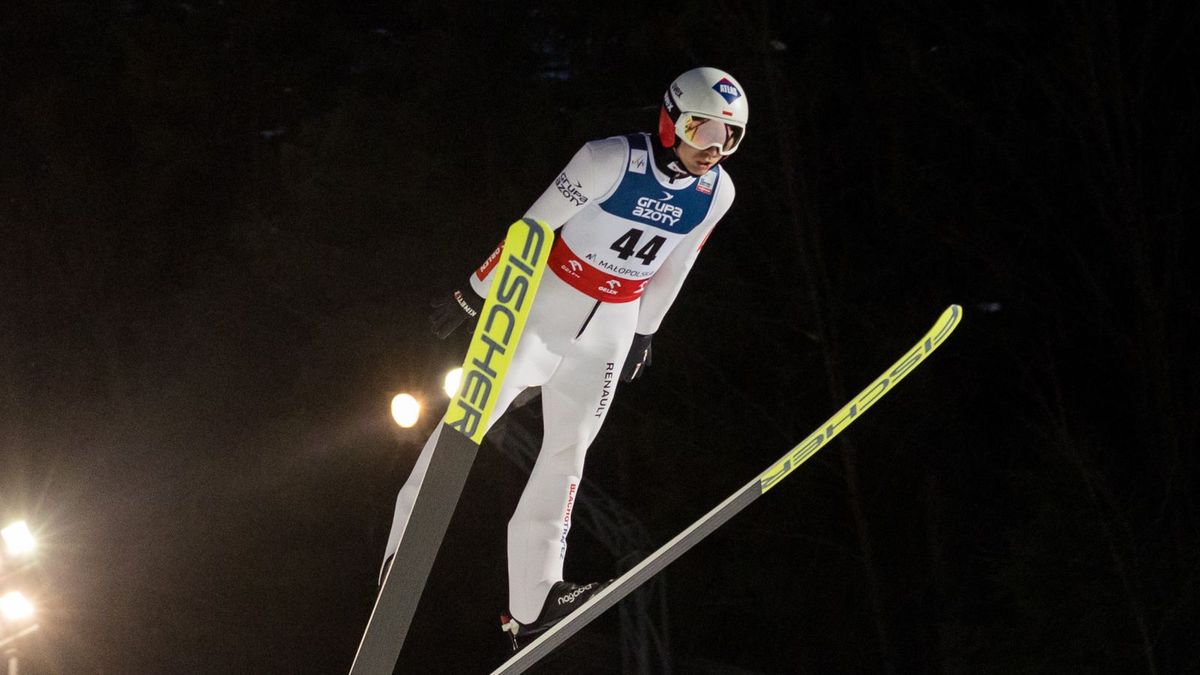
(608, 151)
(723, 196)
(603, 161)
(725, 187)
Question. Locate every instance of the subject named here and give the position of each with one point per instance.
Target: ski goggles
(703, 133)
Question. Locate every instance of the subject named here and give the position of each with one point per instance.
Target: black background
(222, 222)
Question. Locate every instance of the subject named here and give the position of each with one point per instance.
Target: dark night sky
(221, 224)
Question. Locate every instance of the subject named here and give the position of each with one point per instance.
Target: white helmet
(693, 100)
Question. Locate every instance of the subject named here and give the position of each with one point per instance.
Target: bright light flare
(18, 540)
(14, 606)
(450, 384)
(406, 410)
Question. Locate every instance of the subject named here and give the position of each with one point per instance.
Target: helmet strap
(667, 160)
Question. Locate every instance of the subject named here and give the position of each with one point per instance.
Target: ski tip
(952, 315)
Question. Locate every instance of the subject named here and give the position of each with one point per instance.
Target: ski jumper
(629, 235)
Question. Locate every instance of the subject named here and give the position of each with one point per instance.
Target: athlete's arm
(664, 286)
(591, 175)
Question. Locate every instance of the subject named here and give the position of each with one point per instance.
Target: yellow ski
(669, 552)
(499, 328)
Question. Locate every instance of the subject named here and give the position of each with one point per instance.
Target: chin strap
(668, 162)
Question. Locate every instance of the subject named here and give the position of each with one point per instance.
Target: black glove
(638, 359)
(451, 309)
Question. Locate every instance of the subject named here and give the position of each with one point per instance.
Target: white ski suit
(629, 235)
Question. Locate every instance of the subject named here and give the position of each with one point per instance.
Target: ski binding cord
(509, 625)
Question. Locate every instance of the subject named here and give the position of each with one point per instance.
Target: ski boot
(563, 599)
